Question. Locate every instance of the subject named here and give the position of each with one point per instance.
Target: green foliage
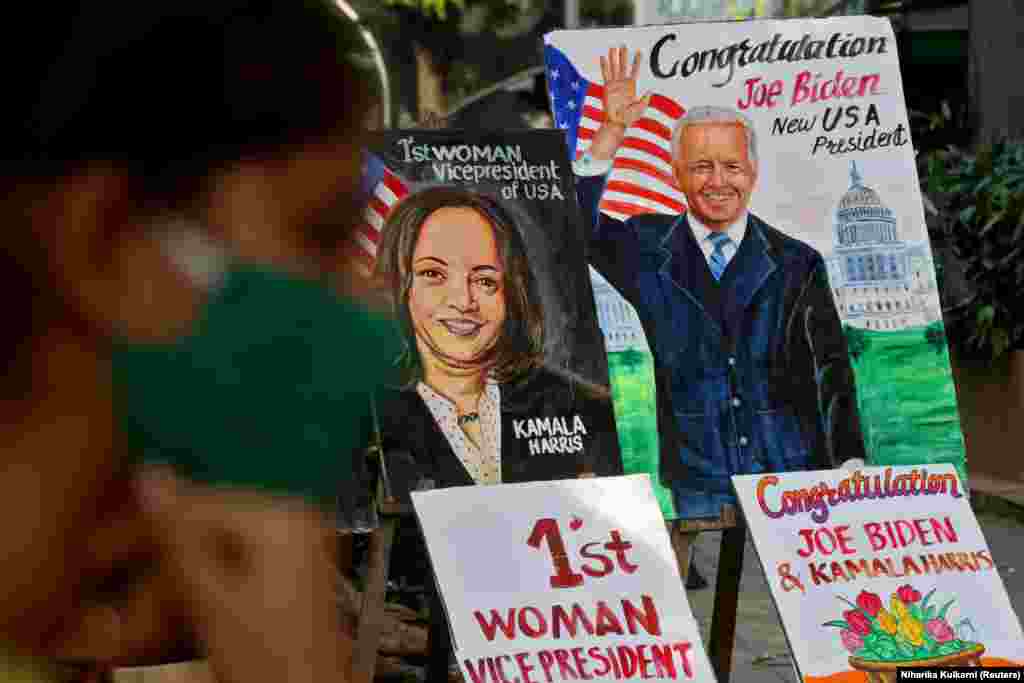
(987, 233)
(429, 8)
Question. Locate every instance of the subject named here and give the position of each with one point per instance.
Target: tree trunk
(431, 102)
(996, 49)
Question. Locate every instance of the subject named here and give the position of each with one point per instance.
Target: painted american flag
(382, 189)
(641, 180)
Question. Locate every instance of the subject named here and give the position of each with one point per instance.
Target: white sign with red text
(879, 568)
(561, 581)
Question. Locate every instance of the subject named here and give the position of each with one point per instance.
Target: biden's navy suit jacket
(755, 366)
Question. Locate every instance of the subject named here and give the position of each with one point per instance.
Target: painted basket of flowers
(911, 633)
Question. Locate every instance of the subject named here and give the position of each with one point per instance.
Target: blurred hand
(258, 576)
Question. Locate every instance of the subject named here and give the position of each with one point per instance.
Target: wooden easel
(727, 582)
(371, 611)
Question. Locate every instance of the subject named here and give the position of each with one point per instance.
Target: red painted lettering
(664, 664)
(945, 530)
(875, 537)
(627, 660)
(491, 627)
(476, 673)
(607, 622)
(595, 653)
(644, 661)
(536, 629)
(684, 655)
(524, 668)
(565, 669)
(547, 660)
(818, 575)
(581, 664)
(843, 536)
(606, 565)
(560, 619)
(648, 619)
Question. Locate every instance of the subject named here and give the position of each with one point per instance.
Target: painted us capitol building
(879, 281)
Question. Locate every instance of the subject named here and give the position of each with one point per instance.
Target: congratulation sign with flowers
(869, 569)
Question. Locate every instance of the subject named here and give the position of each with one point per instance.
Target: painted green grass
(632, 379)
(907, 400)
(905, 394)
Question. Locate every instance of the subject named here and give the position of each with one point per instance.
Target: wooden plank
(364, 656)
(681, 542)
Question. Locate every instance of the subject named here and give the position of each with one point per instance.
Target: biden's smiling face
(715, 172)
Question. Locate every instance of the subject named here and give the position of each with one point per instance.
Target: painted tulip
(851, 641)
(898, 609)
(908, 594)
(869, 602)
(859, 623)
(912, 631)
(939, 630)
(886, 621)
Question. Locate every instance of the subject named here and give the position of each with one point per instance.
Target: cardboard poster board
(825, 340)
(561, 581)
(878, 568)
(474, 240)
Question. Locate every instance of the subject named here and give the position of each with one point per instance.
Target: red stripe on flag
(630, 209)
(396, 186)
(649, 147)
(652, 126)
(370, 232)
(647, 169)
(357, 253)
(667, 106)
(640, 191)
(593, 113)
(584, 133)
(596, 90)
(377, 205)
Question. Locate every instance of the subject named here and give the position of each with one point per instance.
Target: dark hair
(520, 349)
(167, 93)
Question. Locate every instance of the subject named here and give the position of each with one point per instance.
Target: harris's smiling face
(457, 297)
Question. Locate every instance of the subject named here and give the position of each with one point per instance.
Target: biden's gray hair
(710, 114)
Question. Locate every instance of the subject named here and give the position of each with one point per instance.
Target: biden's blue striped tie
(718, 260)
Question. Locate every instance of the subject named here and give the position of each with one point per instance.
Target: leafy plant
(986, 193)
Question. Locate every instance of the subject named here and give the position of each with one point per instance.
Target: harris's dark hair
(520, 348)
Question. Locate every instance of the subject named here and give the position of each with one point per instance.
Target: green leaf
(967, 215)
(945, 608)
(929, 613)
(915, 612)
(924, 603)
(839, 624)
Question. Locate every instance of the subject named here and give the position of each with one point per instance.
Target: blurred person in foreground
(174, 178)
